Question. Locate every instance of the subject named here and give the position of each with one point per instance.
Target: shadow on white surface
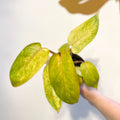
(82, 109)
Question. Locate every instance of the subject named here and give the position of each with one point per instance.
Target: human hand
(109, 108)
(88, 93)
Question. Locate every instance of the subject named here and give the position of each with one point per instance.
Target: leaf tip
(58, 110)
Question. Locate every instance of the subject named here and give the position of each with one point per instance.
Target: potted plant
(64, 71)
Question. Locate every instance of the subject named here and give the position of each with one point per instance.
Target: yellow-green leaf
(78, 71)
(64, 78)
(27, 63)
(83, 34)
(80, 80)
(79, 75)
(51, 96)
(65, 47)
(89, 74)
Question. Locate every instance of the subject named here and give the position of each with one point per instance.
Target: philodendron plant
(64, 71)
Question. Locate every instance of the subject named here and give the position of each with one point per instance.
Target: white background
(25, 21)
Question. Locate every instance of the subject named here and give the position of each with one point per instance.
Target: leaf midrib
(30, 59)
(62, 74)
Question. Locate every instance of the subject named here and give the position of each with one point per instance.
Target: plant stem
(75, 62)
(52, 52)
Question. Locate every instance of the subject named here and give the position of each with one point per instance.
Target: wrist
(93, 96)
